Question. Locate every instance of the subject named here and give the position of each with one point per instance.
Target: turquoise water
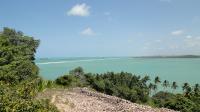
(173, 69)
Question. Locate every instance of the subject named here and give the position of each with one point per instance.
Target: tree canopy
(19, 80)
(17, 56)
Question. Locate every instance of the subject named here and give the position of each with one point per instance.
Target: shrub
(162, 97)
(65, 80)
(180, 103)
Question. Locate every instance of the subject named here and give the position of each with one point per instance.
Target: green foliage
(69, 81)
(99, 85)
(19, 81)
(18, 99)
(21, 98)
(43, 84)
(161, 98)
(157, 80)
(17, 56)
(136, 89)
(77, 71)
(197, 89)
(177, 101)
(65, 80)
(124, 85)
(174, 86)
(180, 103)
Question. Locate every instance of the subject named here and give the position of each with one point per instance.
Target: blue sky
(82, 28)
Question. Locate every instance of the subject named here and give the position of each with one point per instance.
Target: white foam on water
(73, 61)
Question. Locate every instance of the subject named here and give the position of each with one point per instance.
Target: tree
(162, 97)
(17, 56)
(123, 84)
(180, 103)
(197, 89)
(185, 86)
(187, 89)
(19, 80)
(157, 80)
(174, 86)
(77, 71)
(145, 79)
(165, 84)
(151, 87)
(133, 82)
(155, 87)
(65, 80)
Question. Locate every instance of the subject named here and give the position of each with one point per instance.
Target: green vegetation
(19, 80)
(124, 85)
(136, 89)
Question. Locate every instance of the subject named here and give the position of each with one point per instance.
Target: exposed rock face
(85, 100)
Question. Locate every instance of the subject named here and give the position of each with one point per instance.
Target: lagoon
(173, 69)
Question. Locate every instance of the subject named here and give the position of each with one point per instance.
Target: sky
(104, 28)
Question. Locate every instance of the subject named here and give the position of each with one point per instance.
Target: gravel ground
(85, 100)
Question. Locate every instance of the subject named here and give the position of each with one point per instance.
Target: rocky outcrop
(85, 100)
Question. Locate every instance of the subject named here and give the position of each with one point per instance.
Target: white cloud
(177, 32)
(192, 42)
(88, 32)
(79, 10)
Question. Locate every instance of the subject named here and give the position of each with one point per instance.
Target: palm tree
(197, 89)
(155, 87)
(165, 84)
(157, 80)
(187, 89)
(144, 80)
(151, 87)
(77, 71)
(185, 86)
(174, 86)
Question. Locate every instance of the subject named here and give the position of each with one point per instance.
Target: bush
(162, 97)
(180, 103)
(124, 85)
(99, 85)
(65, 80)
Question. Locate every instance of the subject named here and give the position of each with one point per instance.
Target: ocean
(172, 69)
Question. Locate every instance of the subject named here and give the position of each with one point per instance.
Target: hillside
(86, 100)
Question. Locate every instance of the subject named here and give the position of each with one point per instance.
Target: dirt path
(85, 100)
(53, 99)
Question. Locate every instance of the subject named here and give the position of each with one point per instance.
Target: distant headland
(170, 56)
